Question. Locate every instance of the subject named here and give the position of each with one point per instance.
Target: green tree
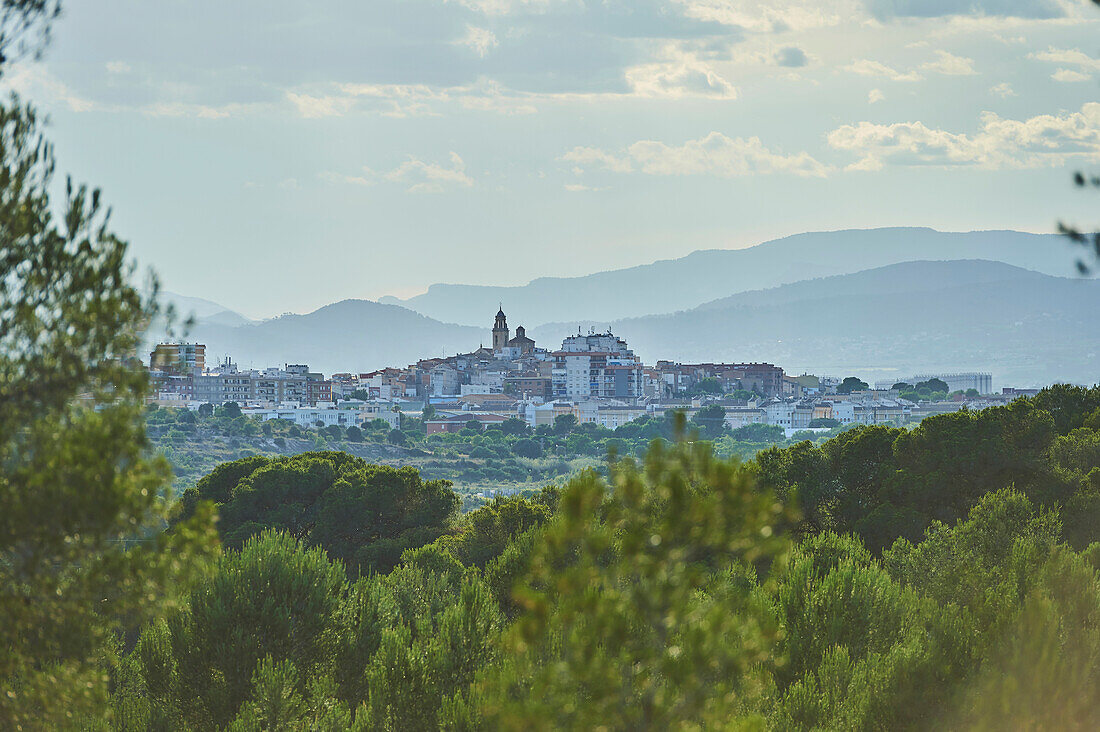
(80, 546)
(638, 617)
(850, 384)
(824, 422)
(711, 421)
(365, 515)
(274, 598)
(758, 432)
(229, 410)
(527, 448)
(564, 424)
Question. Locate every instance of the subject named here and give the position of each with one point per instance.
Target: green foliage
(527, 448)
(711, 421)
(758, 433)
(639, 615)
(885, 483)
(365, 515)
(81, 551)
(850, 384)
(564, 423)
(708, 385)
(824, 422)
(275, 598)
(229, 410)
(484, 534)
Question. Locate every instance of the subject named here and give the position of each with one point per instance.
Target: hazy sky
(276, 156)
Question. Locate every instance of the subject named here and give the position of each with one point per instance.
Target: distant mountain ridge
(684, 283)
(350, 335)
(1025, 327)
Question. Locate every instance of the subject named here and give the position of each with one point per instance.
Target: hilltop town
(594, 377)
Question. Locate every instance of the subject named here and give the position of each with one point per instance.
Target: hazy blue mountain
(679, 284)
(1025, 327)
(352, 335)
(202, 309)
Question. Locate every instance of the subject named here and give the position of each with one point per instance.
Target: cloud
(315, 107)
(791, 56)
(772, 16)
(117, 67)
(479, 40)
(369, 179)
(425, 177)
(1003, 90)
(950, 65)
(1034, 9)
(875, 95)
(198, 111)
(594, 157)
(1086, 65)
(580, 187)
(1069, 75)
(508, 7)
(867, 67)
(679, 74)
(713, 155)
(1040, 141)
(36, 82)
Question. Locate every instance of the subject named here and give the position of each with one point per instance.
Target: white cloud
(875, 95)
(1040, 141)
(773, 15)
(1069, 75)
(580, 187)
(715, 155)
(950, 65)
(354, 180)
(117, 67)
(479, 40)
(1003, 90)
(679, 74)
(1085, 65)
(36, 82)
(315, 107)
(507, 7)
(867, 67)
(199, 111)
(425, 177)
(594, 157)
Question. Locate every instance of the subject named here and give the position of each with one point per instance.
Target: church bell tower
(500, 331)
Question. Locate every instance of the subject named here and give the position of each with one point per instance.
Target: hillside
(1025, 327)
(347, 335)
(679, 284)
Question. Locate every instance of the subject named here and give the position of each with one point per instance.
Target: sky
(277, 156)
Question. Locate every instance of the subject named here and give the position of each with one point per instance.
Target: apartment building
(596, 365)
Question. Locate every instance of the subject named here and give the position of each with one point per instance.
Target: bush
(527, 449)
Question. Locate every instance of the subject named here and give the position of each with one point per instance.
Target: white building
(597, 365)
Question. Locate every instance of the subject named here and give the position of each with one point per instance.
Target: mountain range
(946, 304)
(680, 284)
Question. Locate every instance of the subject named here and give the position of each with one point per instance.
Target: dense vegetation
(507, 457)
(941, 577)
